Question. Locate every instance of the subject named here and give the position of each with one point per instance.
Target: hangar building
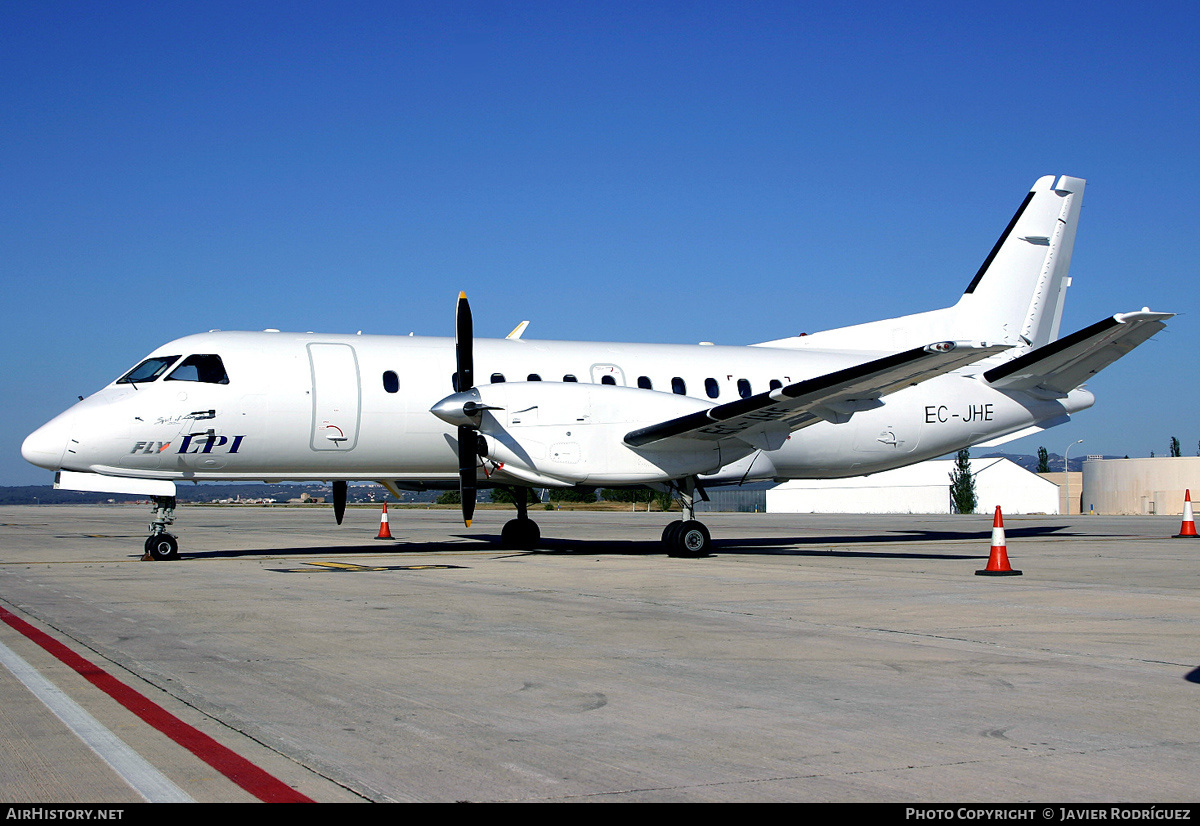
(920, 488)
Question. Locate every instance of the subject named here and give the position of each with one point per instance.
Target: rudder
(1017, 295)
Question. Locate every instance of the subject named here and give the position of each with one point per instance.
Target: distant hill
(1030, 463)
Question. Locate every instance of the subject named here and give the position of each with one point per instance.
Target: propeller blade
(339, 501)
(464, 334)
(467, 461)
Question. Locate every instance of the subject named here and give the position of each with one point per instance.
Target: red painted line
(241, 771)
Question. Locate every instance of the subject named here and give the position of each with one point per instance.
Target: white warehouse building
(920, 488)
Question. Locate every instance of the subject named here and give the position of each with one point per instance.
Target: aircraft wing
(1060, 366)
(765, 419)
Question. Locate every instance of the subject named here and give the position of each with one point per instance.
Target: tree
(504, 496)
(626, 495)
(1175, 447)
(1043, 460)
(577, 494)
(962, 484)
(664, 498)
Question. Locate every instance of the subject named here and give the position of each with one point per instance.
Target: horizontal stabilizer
(765, 419)
(1061, 366)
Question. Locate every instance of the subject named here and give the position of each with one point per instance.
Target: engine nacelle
(548, 433)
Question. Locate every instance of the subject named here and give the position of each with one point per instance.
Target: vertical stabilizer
(1017, 296)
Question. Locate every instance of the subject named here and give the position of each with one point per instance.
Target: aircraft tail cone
(1188, 529)
(384, 531)
(998, 560)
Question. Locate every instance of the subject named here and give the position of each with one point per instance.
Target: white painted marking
(142, 777)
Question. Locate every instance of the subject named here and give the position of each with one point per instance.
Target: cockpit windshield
(207, 368)
(148, 370)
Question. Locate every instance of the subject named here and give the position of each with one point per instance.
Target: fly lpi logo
(191, 443)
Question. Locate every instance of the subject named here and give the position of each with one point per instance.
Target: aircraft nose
(45, 446)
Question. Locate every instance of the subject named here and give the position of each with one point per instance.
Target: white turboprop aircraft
(846, 402)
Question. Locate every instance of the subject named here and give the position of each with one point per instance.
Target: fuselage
(287, 406)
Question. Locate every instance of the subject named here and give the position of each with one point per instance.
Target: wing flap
(1060, 366)
(767, 417)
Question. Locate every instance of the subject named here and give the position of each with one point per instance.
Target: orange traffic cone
(998, 561)
(384, 531)
(1188, 529)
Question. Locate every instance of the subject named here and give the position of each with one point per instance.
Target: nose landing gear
(161, 545)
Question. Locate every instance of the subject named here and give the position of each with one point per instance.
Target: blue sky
(728, 172)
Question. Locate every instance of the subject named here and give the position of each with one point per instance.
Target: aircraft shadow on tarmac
(796, 545)
(784, 546)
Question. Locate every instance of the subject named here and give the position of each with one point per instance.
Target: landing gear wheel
(668, 535)
(690, 539)
(520, 534)
(162, 546)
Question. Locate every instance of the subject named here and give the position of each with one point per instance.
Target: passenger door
(336, 399)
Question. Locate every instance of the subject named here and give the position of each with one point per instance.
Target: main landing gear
(682, 538)
(687, 537)
(161, 545)
(522, 533)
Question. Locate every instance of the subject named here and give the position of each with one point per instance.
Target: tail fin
(1016, 298)
(1017, 295)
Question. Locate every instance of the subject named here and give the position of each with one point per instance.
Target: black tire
(668, 535)
(520, 534)
(162, 546)
(691, 540)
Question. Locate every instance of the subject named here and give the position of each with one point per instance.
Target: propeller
(465, 381)
(339, 500)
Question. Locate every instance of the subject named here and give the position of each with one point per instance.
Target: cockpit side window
(148, 370)
(206, 368)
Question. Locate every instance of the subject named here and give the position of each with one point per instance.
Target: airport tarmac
(809, 658)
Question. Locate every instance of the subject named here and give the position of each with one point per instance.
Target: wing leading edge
(765, 419)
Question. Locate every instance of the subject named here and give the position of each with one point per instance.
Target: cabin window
(391, 382)
(776, 384)
(533, 377)
(711, 388)
(607, 380)
(148, 370)
(207, 368)
(678, 386)
(497, 378)
(744, 389)
(569, 377)
(645, 383)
